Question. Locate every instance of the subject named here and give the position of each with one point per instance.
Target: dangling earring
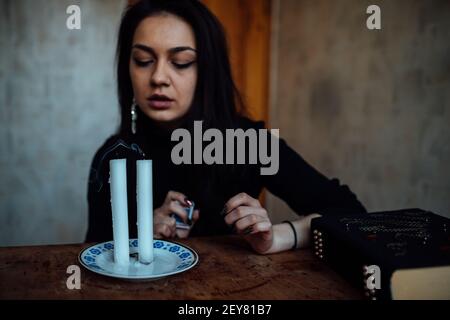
(133, 117)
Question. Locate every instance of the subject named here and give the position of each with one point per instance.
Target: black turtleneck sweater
(302, 187)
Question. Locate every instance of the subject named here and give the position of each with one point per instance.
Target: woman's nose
(160, 76)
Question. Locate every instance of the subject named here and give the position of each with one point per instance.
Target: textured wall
(369, 107)
(57, 105)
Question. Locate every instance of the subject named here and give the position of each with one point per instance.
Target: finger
(262, 227)
(182, 233)
(161, 215)
(241, 212)
(174, 195)
(166, 226)
(172, 207)
(169, 221)
(195, 216)
(245, 225)
(163, 231)
(241, 199)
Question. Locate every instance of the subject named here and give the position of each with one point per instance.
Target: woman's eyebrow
(171, 50)
(144, 48)
(179, 49)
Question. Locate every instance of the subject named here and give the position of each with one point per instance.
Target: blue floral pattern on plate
(187, 257)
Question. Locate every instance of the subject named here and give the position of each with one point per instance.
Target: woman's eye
(183, 65)
(142, 63)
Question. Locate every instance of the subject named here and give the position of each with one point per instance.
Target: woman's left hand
(250, 220)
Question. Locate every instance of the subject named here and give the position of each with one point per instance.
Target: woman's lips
(160, 104)
(159, 101)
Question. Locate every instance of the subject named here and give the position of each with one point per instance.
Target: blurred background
(370, 107)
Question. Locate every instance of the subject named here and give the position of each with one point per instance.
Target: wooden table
(227, 270)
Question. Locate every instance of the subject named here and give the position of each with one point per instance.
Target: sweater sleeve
(306, 190)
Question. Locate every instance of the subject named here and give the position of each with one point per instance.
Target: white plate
(169, 258)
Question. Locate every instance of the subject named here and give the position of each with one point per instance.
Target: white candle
(144, 193)
(119, 208)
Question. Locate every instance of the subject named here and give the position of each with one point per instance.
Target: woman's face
(163, 67)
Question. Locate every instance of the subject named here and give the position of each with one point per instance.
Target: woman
(173, 69)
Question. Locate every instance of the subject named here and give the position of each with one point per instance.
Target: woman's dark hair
(216, 100)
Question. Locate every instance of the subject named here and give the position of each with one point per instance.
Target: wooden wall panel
(247, 23)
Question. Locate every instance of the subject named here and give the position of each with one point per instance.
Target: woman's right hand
(164, 226)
